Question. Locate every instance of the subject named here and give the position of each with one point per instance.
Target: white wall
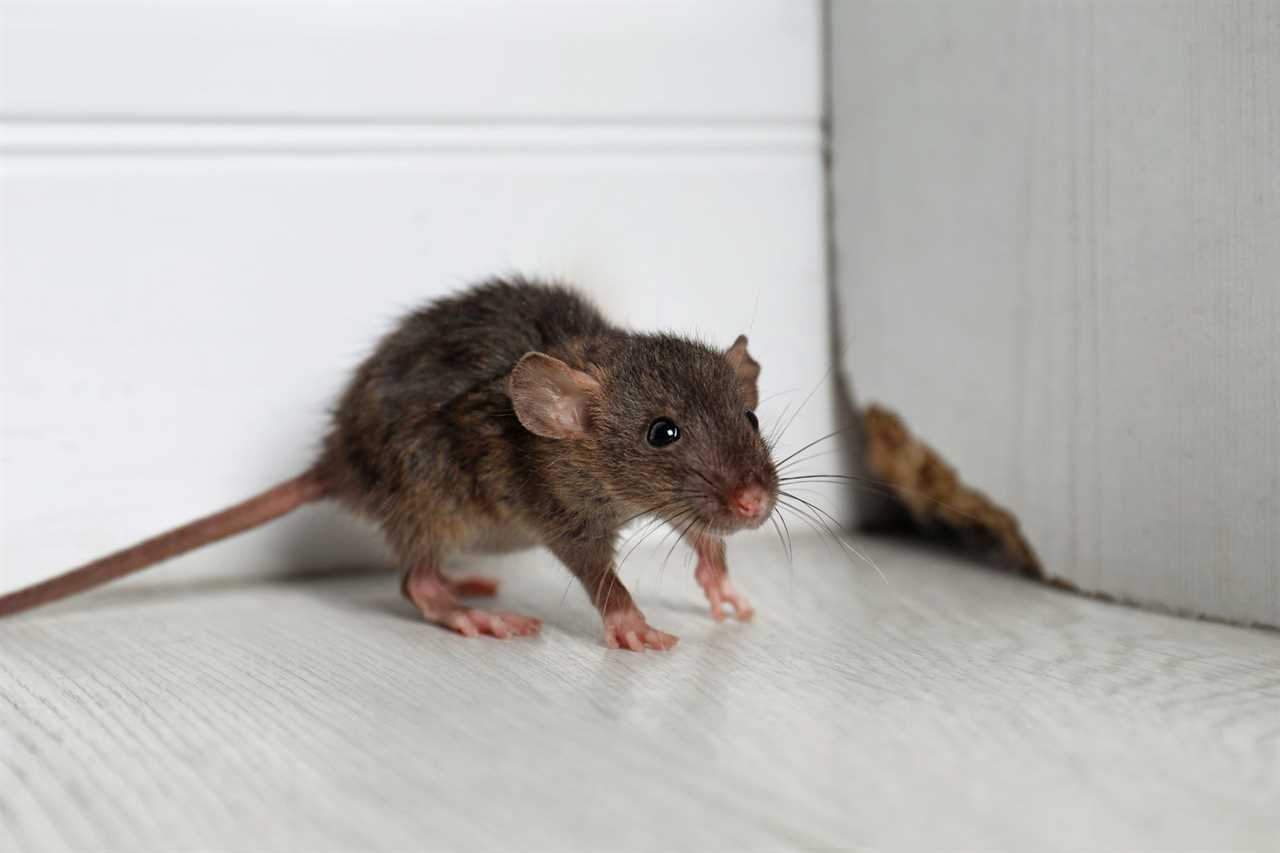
(212, 210)
(1059, 251)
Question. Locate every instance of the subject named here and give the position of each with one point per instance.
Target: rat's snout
(750, 503)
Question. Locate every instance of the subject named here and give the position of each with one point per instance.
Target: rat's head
(666, 423)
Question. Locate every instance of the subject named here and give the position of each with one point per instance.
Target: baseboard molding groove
(214, 138)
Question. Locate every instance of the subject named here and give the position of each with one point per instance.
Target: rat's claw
(627, 629)
(459, 621)
(720, 590)
(717, 603)
(742, 608)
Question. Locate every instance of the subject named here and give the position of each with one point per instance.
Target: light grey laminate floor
(950, 708)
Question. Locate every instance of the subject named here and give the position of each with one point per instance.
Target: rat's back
(454, 352)
(450, 345)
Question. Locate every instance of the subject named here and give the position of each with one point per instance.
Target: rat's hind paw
(627, 629)
(473, 623)
(721, 591)
(473, 586)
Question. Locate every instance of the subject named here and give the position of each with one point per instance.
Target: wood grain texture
(1059, 247)
(951, 708)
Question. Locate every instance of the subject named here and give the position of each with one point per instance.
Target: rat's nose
(750, 502)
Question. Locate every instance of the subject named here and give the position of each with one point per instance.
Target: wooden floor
(949, 708)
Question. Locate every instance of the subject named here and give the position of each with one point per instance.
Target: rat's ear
(551, 399)
(747, 368)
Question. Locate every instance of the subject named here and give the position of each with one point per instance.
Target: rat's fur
(510, 415)
(426, 441)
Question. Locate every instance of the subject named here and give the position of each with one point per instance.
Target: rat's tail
(271, 504)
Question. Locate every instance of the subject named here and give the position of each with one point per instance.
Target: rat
(512, 415)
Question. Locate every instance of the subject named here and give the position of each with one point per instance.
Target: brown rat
(513, 415)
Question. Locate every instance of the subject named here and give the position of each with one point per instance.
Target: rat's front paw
(627, 629)
(721, 591)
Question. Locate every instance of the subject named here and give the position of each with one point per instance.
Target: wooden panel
(176, 326)
(212, 210)
(318, 712)
(1059, 249)
(550, 60)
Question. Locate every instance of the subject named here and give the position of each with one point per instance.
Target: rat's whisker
(786, 552)
(644, 533)
(813, 494)
(782, 463)
(663, 565)
(612, 577)
(639, 536)
(772, 396)
(683, 533)
(822, 534)
(811, 506)
(653, 528)
(802, 460)
(821, 383)
(857, 482)
(772, 440)
(790, 545)
(847, 546)
(680, 496)
(845, 480)
(879, 487)
(705, 479)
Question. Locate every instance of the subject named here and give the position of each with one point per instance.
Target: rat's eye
(662, 432)
(753, 420)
